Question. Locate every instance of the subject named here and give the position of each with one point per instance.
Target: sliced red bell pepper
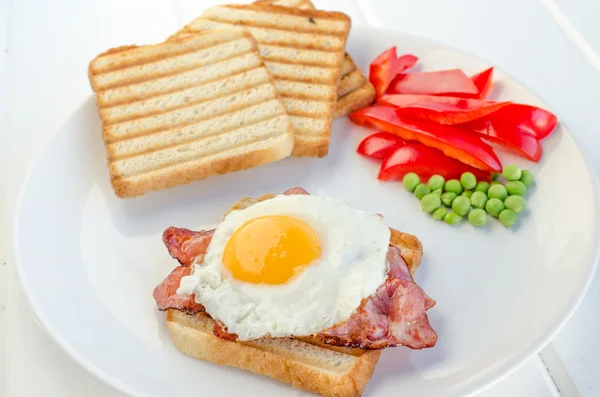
(483, 82)
(496, 130)
(454, 142)
(440, 109)
(386, 66)
(525, 119)
(425, 162)
(453, 82)
(379, 145)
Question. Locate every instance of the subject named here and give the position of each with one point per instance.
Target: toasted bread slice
(304, 363)
(329, 372)
(355, 91)
(304, 51)
(187, 109)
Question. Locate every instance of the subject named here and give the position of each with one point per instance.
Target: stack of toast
(239, 86)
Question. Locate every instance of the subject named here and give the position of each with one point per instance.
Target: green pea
(448, 198)
(451, 218)
(482, 187)
(477, 217)
(511, 172)
(436, 182)
(430, 202)
(467, 193)
(411, 181)
(515, 203)
(421, 191)
(454, 186)
(461, 205)
(527, 178)
(494, 207)
(497, 191)
(508, 218)
(516, 188)
(468, 180)
(478, 200)
(439, 214)
(438, 192)
(495, 183)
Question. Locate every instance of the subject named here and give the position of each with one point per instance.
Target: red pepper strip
(379, 145)
(441, 110)
(483, 82)
(454, 142)
(525, 119)
(425, 162)
(495, 129)
(446, 82)
(386, 66)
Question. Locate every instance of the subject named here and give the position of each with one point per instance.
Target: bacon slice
(221, 331)
(165, 294)
(187, 246)
(399, 269)
(295, 190)
(394, 316)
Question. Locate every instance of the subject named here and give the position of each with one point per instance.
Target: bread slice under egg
(304, 363)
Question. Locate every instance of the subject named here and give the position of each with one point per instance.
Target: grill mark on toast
(328, 15)
(118, 58)
(310, 126)
(187, 97)
(193, 132)
(351, 82)
(165, 84)
(359, 98)
(197, 169)
(190, 114)
(306, 74)
(272, 36)
(348, 66)
(193, 151)
(171, 65)
(275, 19)
(304, 107)
(292, 62)
(299, 4)
(303, 56)
(303, 90)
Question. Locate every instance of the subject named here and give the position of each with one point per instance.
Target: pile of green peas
(455, 199)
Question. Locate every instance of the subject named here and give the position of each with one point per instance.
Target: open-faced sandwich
(300, 288)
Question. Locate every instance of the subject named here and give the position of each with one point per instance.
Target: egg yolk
(271, 250)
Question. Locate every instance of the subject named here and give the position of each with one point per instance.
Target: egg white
(351, 267)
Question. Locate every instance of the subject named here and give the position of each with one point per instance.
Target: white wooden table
(552, 45)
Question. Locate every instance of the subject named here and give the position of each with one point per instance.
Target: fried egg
(290, 266)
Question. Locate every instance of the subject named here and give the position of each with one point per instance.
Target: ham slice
(394, 316)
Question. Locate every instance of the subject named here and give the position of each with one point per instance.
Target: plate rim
(483, 380)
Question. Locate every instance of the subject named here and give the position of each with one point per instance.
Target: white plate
(89, 261)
